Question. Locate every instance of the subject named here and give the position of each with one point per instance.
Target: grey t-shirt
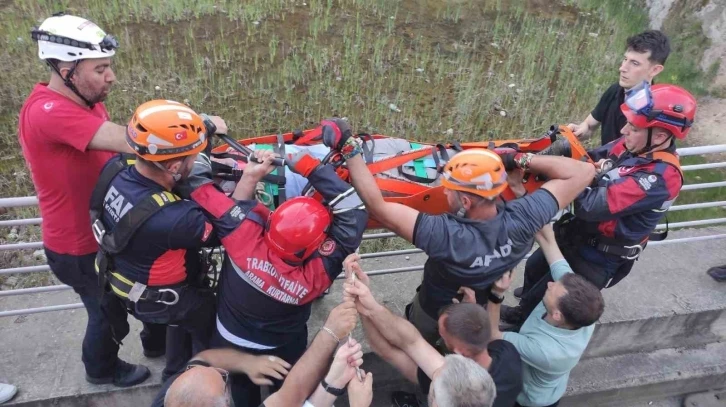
(472, 253)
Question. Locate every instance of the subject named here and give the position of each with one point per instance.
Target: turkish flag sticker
(182, 135)
(207, 231)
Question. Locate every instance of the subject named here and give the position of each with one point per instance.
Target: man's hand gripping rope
(349, 264)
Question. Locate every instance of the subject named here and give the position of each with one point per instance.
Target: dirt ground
(710, 125)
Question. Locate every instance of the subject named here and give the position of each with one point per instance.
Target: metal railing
(33, 201)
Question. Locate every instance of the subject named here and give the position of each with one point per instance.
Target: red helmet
(667, 106)
(297, 227)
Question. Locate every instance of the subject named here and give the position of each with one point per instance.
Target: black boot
(512, 315)
(518, 292)
(718, 273)
(126, 375)
(153, 354)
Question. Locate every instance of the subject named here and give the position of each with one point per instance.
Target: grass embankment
(465, 70)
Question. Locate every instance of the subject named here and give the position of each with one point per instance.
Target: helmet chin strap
(67, 81)
(174, 175)
(648, 145)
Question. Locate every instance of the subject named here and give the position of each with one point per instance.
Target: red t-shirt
(54, 133)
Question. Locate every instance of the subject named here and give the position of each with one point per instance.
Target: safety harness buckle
(173, 302)
(638, 250)
(99, 231)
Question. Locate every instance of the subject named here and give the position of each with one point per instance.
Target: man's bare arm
(306, 374)
(397, 331)
(259, 368)
(567, 177)
(394, 356)
(494, 309)
(313, 365)
(254, 173)
(584, 130)
(547, 241)
(498, 288)
(403, 335)
(397, 218)
(110, 137)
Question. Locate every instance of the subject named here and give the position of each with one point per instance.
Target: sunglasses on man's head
(222, 372)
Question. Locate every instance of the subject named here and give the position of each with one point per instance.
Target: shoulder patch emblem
(645, 183)
(327, 247)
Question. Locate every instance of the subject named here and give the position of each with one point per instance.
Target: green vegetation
(700, 195)
(483, 68)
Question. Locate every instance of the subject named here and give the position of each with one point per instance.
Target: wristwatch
(496, 299)
(332, 390)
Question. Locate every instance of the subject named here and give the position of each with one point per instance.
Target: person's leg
(596, 266)
(107, 325)
(200, 317)
(190, 323)
(246, 393)
(535, 268)
(243, 391)
(153, 339)
(529, 301)
(178, 350)
(426, 325)
(536, 277)
(290, 353)
(99, 352)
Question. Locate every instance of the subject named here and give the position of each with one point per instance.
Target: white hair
(463, 383)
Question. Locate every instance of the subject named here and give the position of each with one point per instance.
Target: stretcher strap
(418, 165)
(398, 160)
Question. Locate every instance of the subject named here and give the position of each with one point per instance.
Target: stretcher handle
(280, 162)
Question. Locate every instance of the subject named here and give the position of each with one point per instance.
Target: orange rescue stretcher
(403, 176)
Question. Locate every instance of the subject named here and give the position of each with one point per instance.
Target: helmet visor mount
(108, 43)
(640, 101)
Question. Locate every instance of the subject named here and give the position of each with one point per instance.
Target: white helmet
(70, 38)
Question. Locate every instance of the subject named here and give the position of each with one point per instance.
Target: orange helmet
(477, 171)
(164, 129)
(297, 227)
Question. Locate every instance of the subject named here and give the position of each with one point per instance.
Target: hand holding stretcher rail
(409, 175)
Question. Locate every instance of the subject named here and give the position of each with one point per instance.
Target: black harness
(114, 242)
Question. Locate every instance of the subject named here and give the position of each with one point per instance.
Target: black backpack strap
(116, 241)
(115, 165)
(280, 149)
